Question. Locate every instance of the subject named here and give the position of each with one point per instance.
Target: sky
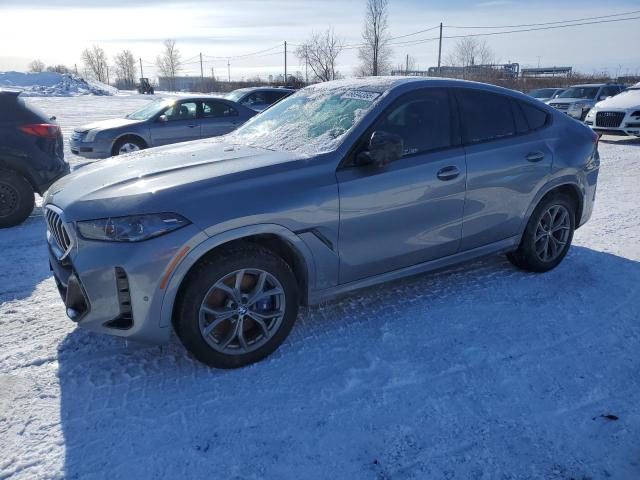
(56, 31)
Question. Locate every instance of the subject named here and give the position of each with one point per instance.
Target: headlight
(91, 135)
(591, 113)
(134, 228)
(580, 106)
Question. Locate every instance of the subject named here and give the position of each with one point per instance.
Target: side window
(256, 98)
(536, 118)
(610, 91)
(273, 97)
(181, 111)
(213, 109)
(485, 116)
(521, 122)
(423, 120)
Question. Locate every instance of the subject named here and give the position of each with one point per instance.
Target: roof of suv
(9, 92)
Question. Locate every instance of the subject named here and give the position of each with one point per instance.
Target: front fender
(196, 253)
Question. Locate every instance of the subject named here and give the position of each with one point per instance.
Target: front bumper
(114, 288)
(629, 125)
(571, 110)
(93, 150)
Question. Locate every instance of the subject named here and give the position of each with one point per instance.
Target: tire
(542, 223)
(16, 199)
(201, 291)
(134, 143)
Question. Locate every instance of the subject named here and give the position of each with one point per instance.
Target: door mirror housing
(384, 148)
(163, 118)
(604, 97)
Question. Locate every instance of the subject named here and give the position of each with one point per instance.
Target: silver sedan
(161, 122)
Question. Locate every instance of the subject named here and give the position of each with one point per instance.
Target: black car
(31, 156)
(259, 98)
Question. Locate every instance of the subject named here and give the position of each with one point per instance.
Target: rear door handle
(448, 173)
(534, 156)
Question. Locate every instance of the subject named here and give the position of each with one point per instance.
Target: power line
(546, 23)
(431, 39)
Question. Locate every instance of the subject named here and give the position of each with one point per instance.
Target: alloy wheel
(552, 233)
(242, 311)
(128, 148)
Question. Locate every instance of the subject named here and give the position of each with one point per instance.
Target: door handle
(448, 173)
(192, 126)
(534, 156)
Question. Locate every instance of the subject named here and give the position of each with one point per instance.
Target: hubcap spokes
(552, 233)
(242, 311)
(128, 147)
(8, 199)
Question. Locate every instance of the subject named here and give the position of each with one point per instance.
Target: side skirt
(503, 246)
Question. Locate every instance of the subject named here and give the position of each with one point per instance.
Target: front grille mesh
(609, 119)
(57, 230)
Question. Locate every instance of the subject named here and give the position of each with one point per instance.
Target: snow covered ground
(478, 372)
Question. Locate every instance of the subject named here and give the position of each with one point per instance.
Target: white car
(619, 115)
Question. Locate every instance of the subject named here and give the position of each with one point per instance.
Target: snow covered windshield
(150, 110)
(310, 121)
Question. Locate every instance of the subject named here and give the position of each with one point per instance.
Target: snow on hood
(627, 99)
(106, 124)
(130, 179)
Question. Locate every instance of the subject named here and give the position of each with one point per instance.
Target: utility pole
(539, 57)
(406, 68)
(141, 73)
(306, 70)
(201, 71)
(107, 74)
(440, 48)
(212, 75)
(75, 65)
(285, 63)
(229, 70)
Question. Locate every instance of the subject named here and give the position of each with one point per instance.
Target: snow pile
(52, 84)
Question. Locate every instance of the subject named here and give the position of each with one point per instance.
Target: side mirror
(384, 148)
(163, 119)
(604, 97)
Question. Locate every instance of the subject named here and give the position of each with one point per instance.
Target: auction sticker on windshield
(360, 95)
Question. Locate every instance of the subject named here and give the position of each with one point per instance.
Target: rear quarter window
(485, 116)
(536, 118)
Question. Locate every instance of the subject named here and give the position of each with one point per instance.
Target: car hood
(571, 100)
(106, 124)
(159, 179)
(628, 99)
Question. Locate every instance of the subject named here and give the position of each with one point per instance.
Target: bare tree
(95, 62)
(408, 65)
(36, 66)
(320, 53)
(470, 51)
(169, 62)
(375, 53)
(125, 69)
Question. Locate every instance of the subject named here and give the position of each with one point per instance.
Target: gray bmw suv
(342, 185)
